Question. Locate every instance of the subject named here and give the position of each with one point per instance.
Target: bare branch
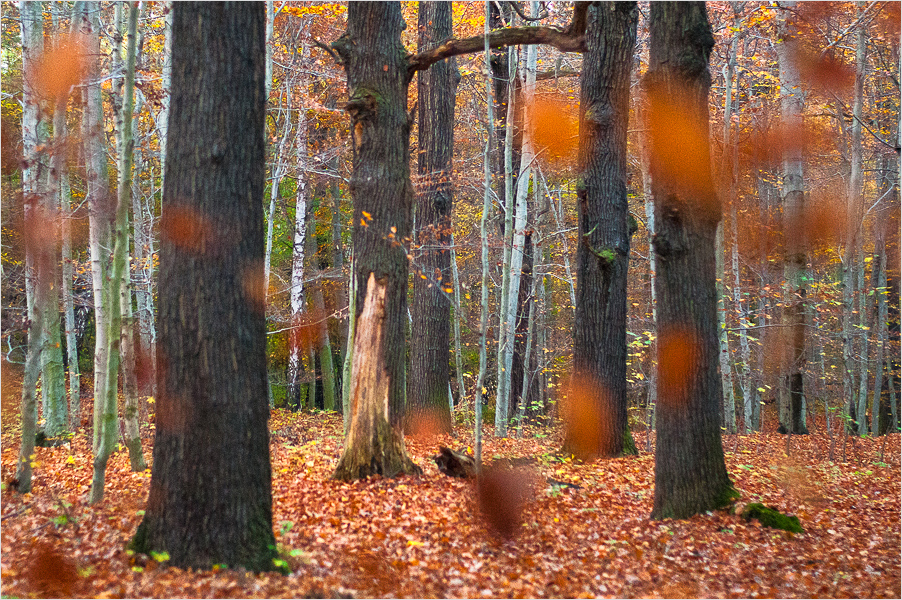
(571, 39)
(542, 15)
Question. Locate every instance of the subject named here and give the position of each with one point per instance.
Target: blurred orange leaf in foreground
(554, 128)
(679, 353)
(60, 68)
(587, 427)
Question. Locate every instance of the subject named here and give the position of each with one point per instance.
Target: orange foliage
(680, 146)
(187, 229)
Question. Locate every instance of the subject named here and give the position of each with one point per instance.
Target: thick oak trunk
(210, 493)
(690, 475)
(602, 256)
(376, 67)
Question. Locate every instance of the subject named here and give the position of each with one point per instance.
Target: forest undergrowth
(584, 530)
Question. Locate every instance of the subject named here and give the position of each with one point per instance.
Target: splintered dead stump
(373, 446)
(455, 464)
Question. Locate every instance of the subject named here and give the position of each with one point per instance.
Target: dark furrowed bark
(210, 499)
(599, 333)
(690, 475)
(431, 327)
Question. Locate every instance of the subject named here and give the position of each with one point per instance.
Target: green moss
(771, 517)
(629, 444)
(727, 496)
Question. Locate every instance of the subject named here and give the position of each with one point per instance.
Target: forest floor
(421, 537)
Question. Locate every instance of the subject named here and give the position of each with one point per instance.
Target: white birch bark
(349, 351)
(652, 398)
(98, 194)
(726, 370)
(37, 282)
(527, 155)
(296, 295)
(53, 386)
(791, 106)
(118, 272)
(484, 244)
(856, 180)
(502, 387)
(459, 315)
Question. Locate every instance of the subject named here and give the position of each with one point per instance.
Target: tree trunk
(517, 208)
(856, 203)
(296, 295)
(99, 208)
(376, 67)
(373, 446)
(791, 103)
(118, 274)
(38, 256)
(602, 255)
(459, 315)
(61, 133)
(210, 492)
(349, 352)
(430, 346)
(690, 474)
(484, 244)
(502, 389)
(325, 346)
(726, 369)
(651, 400)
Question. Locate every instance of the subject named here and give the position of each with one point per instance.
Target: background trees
(849, 275)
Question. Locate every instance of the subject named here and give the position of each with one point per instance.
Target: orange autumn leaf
(553, 124)
(680, 148)
(679, 353)
(585, 417)
(60, 68)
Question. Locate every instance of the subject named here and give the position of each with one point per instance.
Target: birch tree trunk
(502, 388)
(484, 242)
(791, 103)
(99, 209)
(459, 315)
(879, 422)
(731, 149)
(651, 400)
(517, 247)
(856, 205)
(297, 346)
(728, 175)
(38, 255)
(43, 183)
(60, 176)
(118, 272)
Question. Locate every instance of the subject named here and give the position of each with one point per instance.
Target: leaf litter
(546, 525)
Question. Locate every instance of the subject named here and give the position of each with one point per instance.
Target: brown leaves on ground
(426, 536)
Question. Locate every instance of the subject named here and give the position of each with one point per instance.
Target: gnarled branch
(571, 39)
